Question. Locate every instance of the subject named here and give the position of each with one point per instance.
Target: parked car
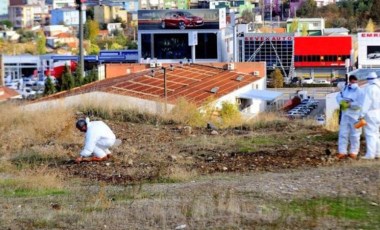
(181, 20)
(336, 81)
(28, 93)
(320, 120)
(307, 80)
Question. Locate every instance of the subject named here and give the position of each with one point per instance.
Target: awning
(267, 95)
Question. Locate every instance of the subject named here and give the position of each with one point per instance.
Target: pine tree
(49, 87)
(67, 79)
(78, 78)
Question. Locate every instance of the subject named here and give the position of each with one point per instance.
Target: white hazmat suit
(352, 94)
(371, 114)
(99, 137)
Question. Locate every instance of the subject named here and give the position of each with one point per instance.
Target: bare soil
(151, 152)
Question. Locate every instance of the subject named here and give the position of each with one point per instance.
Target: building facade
(21, 16)
(66, 16)
(106, 14)
(276, 50)
(312, 26)
(322, 57)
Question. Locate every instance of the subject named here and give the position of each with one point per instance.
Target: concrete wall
(105, 99)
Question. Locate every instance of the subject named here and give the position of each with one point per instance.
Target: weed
(358, 210)
(32, 184)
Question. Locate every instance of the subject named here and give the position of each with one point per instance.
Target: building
(312, 26)
(322, 57)
(112, 27)
(53, 30)
(16, 67)
(106, 14)
(276, 50)
(171, 36)
(61, 39)
(56, 4)
(147, 91)
(66, 16)
(21, 16)
(369, 50)
(9, 35)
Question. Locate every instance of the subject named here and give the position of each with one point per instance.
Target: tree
(67, 79)
(116, 46)
(78, 78)
(91, 30)
(247, 16)
(49, 87)
(41, 43)
(371, 27)
(294, 26)
(277, 78)
(91, 76)
(93, 49)
(308, 9)
(6, 23)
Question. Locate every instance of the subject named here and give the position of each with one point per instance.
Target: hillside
(268, 174)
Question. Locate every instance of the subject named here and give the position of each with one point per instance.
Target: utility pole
(80, 6)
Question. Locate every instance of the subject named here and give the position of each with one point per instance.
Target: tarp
(267, 95)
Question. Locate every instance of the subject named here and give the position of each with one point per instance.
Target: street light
(165, 87)
(80, 7)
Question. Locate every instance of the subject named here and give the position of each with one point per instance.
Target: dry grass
(332, 124)
(22, 129)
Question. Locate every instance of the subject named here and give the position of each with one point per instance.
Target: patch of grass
(20, 188)
(330, 136)
(258, 142)
(32, 184)
(32, 159)
(355, 209)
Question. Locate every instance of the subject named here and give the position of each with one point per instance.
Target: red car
(181, 20)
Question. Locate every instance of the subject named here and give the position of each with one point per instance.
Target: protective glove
(344, 105)
(360, 123)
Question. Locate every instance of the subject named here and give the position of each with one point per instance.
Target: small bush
(187, 113)
(230, 115)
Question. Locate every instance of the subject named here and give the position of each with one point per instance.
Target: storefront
(274, 49)
(322, 57)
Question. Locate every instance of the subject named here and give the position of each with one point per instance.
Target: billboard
(181, 19)
(369, 50)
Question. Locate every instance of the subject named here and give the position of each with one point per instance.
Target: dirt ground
(158, 152)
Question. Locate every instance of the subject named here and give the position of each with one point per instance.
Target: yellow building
(106, 14)
(21, 16)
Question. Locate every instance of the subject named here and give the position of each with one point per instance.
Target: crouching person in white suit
(99, 138)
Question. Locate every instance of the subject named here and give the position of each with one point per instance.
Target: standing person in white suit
(349, 100)
(99, 138)
(370, 116)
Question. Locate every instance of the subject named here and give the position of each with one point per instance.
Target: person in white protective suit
(350, 102)
(371, 114)
(99, 138)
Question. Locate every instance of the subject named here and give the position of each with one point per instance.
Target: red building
(321, 56)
